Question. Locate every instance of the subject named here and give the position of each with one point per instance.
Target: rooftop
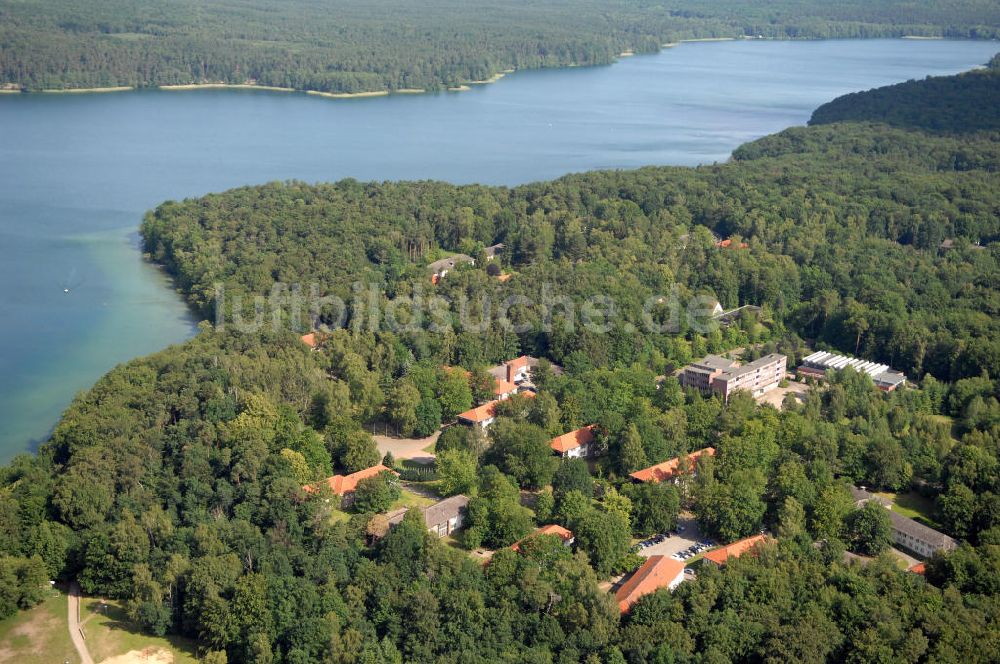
(487, 411)
(657, 572)
(564, 534)
(450, 262)
(344, 484)
(573, 439)
(434, 514)
(735, 550)
(880, 373)
(667, 469)
(919, 531)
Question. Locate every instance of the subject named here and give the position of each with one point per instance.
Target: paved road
(676, 542)
(75, 632)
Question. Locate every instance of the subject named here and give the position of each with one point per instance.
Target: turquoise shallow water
(78, 171)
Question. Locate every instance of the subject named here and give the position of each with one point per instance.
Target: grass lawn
(409, 499)
(338, 515)
(39, 635)
(912, 505)
(110, 633)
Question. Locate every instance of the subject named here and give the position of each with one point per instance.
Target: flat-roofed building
(817, 364)
(722, 376)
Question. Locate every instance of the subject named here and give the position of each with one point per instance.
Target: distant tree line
(344, 46)
(175, 484)
(940, 104)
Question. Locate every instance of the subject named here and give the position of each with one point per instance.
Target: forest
(176, 483)
(349, 46)
(951, 104)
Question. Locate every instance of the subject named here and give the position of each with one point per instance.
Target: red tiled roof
(735, 550)
(552, 529)
(667, 469)
(919, 568)
(310, 339)
(480, 413)
(344, 484)
(723, 244)
(486, 411)
(573, 439)
(504, 387)
(504, 277)
(657, 572)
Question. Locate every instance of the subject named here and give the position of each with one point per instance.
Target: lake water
(78, 171)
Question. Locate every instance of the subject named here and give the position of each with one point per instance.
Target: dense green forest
(941, 104)
(352, 45)
(175, 483)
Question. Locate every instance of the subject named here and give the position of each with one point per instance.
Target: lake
(78, 171)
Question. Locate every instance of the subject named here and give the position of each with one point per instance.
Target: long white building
(816, 365)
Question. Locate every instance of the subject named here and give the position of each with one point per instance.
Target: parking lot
(678, 541)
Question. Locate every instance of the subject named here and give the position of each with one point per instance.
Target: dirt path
(75, 632)
(407, 448)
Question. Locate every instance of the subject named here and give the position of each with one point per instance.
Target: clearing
(39, 635)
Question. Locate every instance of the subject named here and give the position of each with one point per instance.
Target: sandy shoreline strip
(235, 86)
(919, 37)
(121, 88)
(348, 95)
(706, 39)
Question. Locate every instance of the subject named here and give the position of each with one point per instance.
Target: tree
(482, 383)
(654, 507)
(453, 393)
(957, 509)
(428, 417)
(733, 509)
(359, 452)
(457, 472)
(496, 516)
(605, 537)
(522, 451)
(870, 529)
(886, 465)
(791, 519)
(456, 438)
(376, 494)
(572, 475)
(631, 453)
(402, 407)
(546, 414)
(833, 504)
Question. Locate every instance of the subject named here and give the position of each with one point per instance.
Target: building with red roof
(719, 556)
(668, 470)
(310, 340)
(483, 416)
(564, 534)
(657, 572)
(345, 485)
(574, 444)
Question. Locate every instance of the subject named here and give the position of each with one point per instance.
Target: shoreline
(69, 91)
(464, 87)
(232, 86)
(706, 39)
(348, 95)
